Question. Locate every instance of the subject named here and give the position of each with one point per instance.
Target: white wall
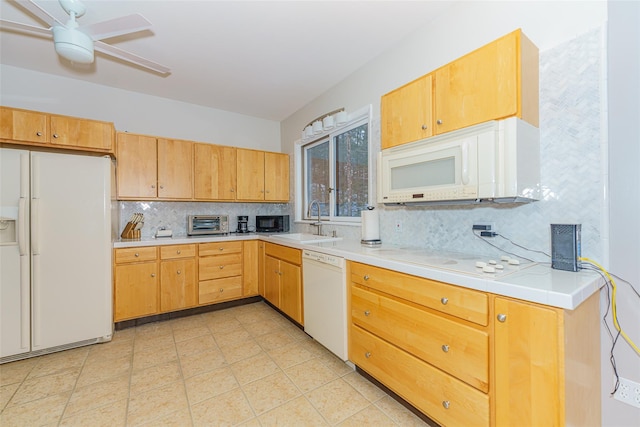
(134, 112)
(624, 184)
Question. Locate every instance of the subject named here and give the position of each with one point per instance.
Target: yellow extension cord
(613, 303)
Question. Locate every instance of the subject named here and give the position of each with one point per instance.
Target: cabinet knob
(439, 122)
(444, 300)
(502, 318)
(267, 191)
(178, 252)
(424, 127)
(55, 135)
(153, 186)
(367, 312)
(232, 190)
(221, 290)
(38, 133)
(366, 277)
(179, 272)
(137, 255)
(367, 354)
(221, 248)
(153, 274)
(446, 404)
(445, 348)
(221, 267)
(162, 187)
(262, 191)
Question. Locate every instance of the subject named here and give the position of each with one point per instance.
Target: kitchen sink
(305, 237)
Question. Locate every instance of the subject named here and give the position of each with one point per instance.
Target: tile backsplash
(571, 141)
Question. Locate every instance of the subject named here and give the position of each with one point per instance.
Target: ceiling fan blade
(39, 12)
(25, 28)
(116, 27)
(130, 57)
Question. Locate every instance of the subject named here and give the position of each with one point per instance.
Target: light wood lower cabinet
(283, 280)
(159, 279)
(437, 346)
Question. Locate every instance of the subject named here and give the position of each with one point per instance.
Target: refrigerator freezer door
(71, 244)
(14, 253)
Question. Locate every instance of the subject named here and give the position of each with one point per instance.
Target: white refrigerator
(55, 252)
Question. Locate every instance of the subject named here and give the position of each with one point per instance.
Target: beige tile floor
(245, 365)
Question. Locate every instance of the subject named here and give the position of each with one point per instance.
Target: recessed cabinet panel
(137, 168)
(22, 125)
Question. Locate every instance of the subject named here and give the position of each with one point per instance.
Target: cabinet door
(136, 158)
(250, 174)
(21, 125)
(136, 290)
(291, 291)
(215, 172)
(82, 133)
(272, 280)
(175, 169)
(178, 284)
(276, 177)
(406, 113)
(250, 267)
(480, 86)
(527, 350)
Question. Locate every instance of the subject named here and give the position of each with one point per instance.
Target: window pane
(317, 179)
(352, 171)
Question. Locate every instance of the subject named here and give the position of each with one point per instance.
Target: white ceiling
(264, 59)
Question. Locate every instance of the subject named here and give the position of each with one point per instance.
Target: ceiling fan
(78, 43)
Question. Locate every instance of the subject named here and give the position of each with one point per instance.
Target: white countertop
(528, 281)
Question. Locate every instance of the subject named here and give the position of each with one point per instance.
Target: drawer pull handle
(446, 404)
(367, 354)
(502, 318)
(55, 135)
(221, 267)
(39, 133)
(444, 300)
(178, 251)
(439, 121)
(445, 348)
(221, 290)
(179, 272)
(366, 277)
(137, 255)
(222, 249)
(424, 127)
(367, 312)
(153, 274)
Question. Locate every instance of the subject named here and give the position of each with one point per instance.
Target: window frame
(356, 119)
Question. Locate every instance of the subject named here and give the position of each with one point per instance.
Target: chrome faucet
(319, 222)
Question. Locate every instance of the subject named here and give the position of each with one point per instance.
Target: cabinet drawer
(147, 253)
(177, 251)
(286, 253)
(442, 397)
(216, 267)
(219, 289)
(455, 348)
(219, 248)
(464, 303)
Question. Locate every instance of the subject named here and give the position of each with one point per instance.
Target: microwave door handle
(465, 163)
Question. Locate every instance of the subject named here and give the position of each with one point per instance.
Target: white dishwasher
(325, 300)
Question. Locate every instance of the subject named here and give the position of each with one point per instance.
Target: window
(335, 173)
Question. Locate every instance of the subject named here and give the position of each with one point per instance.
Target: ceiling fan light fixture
(73, 45)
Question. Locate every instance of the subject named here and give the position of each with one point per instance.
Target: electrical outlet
(484, 226)
(398, 226)
(628, 392)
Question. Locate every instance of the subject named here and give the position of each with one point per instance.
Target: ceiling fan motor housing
(73, 45)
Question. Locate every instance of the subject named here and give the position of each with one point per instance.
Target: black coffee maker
(243, 224)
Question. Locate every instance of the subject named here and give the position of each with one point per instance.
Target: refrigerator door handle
(23, 221)
(35, 226)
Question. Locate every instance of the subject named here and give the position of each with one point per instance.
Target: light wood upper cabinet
(498, 80)
(23, 125)
(262, 176)
(36, 128)
(215, 172)
(407, 113)
(151, 168)
(175, 169)
(276, 177)
(137, 169)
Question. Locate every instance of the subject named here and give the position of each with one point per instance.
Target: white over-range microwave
(495, 161)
